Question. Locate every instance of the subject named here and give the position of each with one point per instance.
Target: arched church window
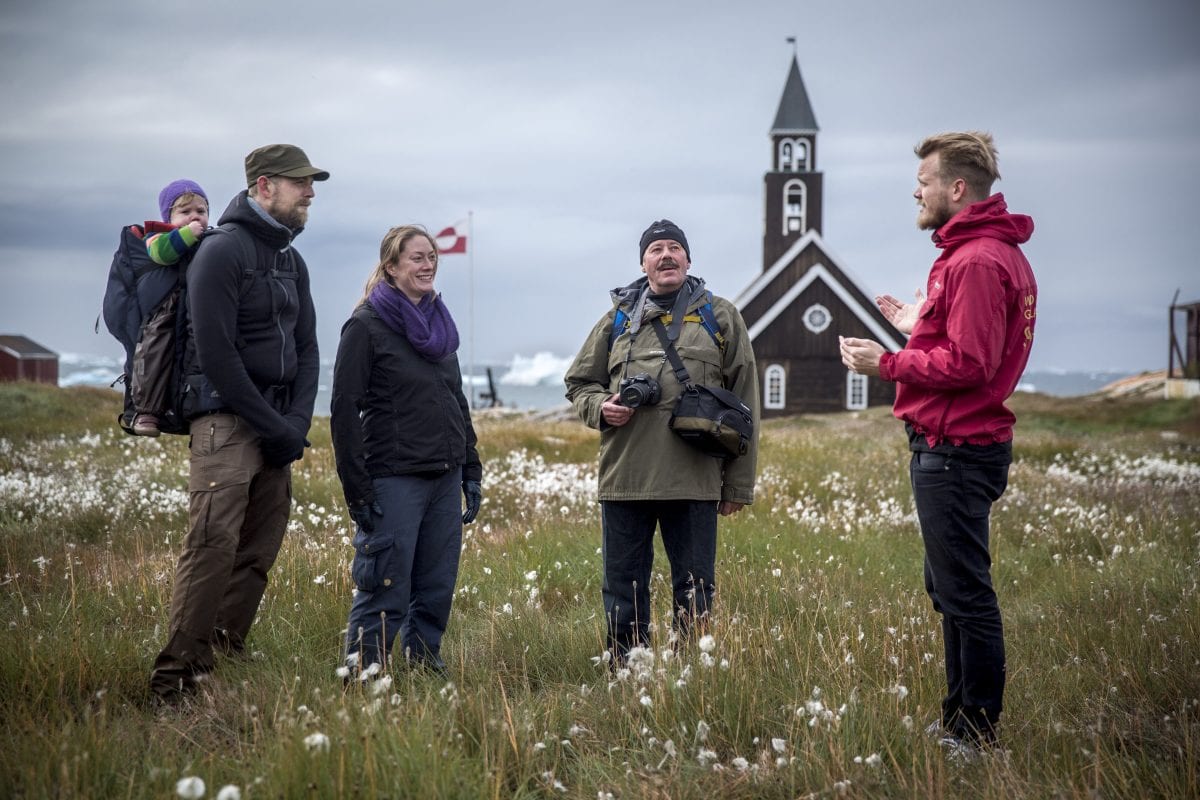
(795, 209)
(800, 162)
(785, 156)
(774, 383)
(856, 391)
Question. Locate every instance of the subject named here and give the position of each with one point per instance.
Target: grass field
(823, 669)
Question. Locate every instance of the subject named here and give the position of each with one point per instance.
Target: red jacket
(971, 341)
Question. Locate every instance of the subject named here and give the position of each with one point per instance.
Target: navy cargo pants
(689, 533)
(405, 570)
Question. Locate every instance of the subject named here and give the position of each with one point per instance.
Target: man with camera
(623, 383)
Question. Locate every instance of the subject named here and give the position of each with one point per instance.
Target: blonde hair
(970, 155)
(393, 244)
(186, 197)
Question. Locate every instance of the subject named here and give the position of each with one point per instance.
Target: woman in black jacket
(404, 446)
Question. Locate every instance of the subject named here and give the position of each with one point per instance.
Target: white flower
(381, 686)
(229, 792)
(741, 764)
(779, 745)
(874, 760)
(707, 643)
(669, 746)
(646, 701)
(704, 756)
(531, 575)
(701, 731)
(317, 743)
(319, 580)
(190, 788)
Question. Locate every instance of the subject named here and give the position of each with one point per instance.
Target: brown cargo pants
(238, 514)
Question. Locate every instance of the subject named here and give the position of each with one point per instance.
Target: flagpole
(471, 303)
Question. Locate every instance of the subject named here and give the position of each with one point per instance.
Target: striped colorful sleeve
(167, 248)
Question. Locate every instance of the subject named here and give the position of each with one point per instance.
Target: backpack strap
(709, 320)
(704, 316)
(244, 239)
(619, 326)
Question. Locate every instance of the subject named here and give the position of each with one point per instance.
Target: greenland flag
(453, 239)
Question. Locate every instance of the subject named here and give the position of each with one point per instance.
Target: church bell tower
(793, 186)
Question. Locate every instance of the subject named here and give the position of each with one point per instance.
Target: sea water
(535, 382)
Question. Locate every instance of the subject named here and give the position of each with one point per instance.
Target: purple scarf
(427, 325)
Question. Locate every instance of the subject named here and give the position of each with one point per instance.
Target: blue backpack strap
(619, 326)
(709, 320)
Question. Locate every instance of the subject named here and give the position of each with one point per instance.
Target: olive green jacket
(643, 459)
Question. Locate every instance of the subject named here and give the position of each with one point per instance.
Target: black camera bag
(712, 419)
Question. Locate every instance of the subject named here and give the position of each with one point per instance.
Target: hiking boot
(145, 425)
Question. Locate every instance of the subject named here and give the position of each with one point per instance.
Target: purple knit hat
(172, 191)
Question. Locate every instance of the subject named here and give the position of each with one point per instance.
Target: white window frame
(812, 326)
(799, 212)
(856, 391)
(800, 153)
(775, 387)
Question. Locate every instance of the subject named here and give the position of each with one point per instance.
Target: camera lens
(633, 395)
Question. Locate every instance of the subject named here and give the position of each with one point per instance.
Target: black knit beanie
(663, 229)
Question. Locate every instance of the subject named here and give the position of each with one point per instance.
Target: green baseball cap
(281, 159)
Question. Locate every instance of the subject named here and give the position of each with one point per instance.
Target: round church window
(817, 318)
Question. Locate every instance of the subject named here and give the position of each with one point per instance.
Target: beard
(930, 219)
(293, 218)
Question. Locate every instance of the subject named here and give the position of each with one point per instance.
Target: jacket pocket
(372, 553)
(703, 364)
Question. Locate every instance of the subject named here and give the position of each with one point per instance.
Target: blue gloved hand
(473, 493)
(363, 515)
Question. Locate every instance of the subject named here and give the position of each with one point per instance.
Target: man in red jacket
(968, 345)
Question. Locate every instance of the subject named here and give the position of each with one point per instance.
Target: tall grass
(824, 666)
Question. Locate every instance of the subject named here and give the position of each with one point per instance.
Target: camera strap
(681, 373)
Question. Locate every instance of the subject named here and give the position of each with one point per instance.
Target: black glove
(474, 494)
(363, 515)
(282, 450)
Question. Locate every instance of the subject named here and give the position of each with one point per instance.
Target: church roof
(795, 112)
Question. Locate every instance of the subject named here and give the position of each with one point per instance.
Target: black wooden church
(804, 299)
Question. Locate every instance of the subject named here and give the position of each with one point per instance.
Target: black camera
(640, 390)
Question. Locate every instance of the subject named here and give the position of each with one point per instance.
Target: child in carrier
(184, 207)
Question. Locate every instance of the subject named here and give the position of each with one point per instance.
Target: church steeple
(795, 114)
(793, 185)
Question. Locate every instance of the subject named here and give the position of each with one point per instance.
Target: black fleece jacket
(254, 324)
(393, 412)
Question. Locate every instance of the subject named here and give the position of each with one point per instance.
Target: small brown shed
(22, 359)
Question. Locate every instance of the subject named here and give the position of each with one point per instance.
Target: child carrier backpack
(137, 291)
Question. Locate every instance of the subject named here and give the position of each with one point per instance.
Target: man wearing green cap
(250, 395)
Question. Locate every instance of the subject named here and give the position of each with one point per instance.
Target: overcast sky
(566, 128)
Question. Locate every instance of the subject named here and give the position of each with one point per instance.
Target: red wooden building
(805, 298)
(23, 359)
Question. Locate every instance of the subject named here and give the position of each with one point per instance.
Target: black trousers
(954, 499)
(689, 533)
